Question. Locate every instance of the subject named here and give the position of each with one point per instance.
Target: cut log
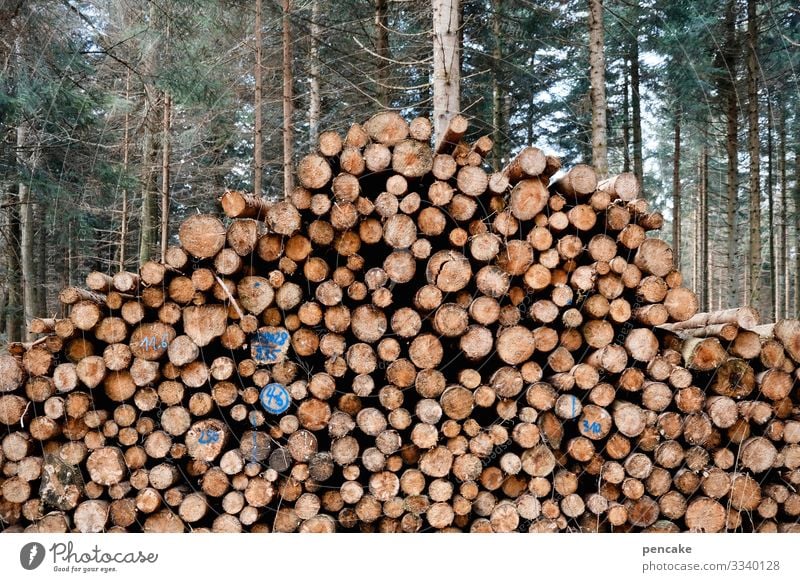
(238, 204)
(202, 236)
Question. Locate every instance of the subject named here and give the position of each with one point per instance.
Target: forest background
(118, 118)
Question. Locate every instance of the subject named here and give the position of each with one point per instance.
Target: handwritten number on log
(593, 428)
(275, 398)
(268, 345)
(208, 436)
(151, 343)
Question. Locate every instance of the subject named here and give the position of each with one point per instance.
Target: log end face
(202, 235)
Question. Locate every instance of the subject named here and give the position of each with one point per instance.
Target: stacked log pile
(407, 343)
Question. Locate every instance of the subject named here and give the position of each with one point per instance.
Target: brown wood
(744, 317)
(456, 128)
(202, 236)
(624, 186)
(579, 181)
(392, 304)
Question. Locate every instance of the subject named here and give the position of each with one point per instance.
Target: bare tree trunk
(148, 214)
(288, 104)
(165, 179)
(695, 242)
(597, 80)
(773, 260)
(70, 254)
(676, 188)
(708, 271)
(498, 93)
(446, 63)
(42, 239)
(754, 251)
(147, 236)
(796, 197)
(636, 105)
(783, 250)
(14, 280)
(123, 229)
(257, 106)
(626, 119)
(10, 235)
(27, 228)
(702, 229)
(382, 50)
(315, 96)
(3, 301)
(732, 151)
(12, 296)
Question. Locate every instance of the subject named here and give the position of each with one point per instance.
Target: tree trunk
(696, 237)
(498, 93)
(597, 79)
(701, 231)
(446, 64)
(626, 119)
(783, 250)
(257, 106)
(147, 236)
(13, 282)
(165, 178)
(315, 97)
(636, 104)
(27, 230)
(70, 253)
(773, 260)
(42, 239)
(382, 50)
(3, 302)
(707, 269)
(123, 228)
(148, 213)
(796, 228)
(288, 104)
(676, 188)
(754, 251)
(731, 149)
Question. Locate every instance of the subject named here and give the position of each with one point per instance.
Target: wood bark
(446, 64)
(165, 173)
(315, 94)
(258, 73)
(597, 80)
(288, 100)
(753, 296)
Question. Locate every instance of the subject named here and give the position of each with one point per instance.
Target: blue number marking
(268, 346)
(277, 338)
(593, 428)
(275, 398)
(151, 342)
(208, 436)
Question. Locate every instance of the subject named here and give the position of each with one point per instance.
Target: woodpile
(406, 343)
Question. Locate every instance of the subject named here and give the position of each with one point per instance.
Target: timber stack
(406, 343)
